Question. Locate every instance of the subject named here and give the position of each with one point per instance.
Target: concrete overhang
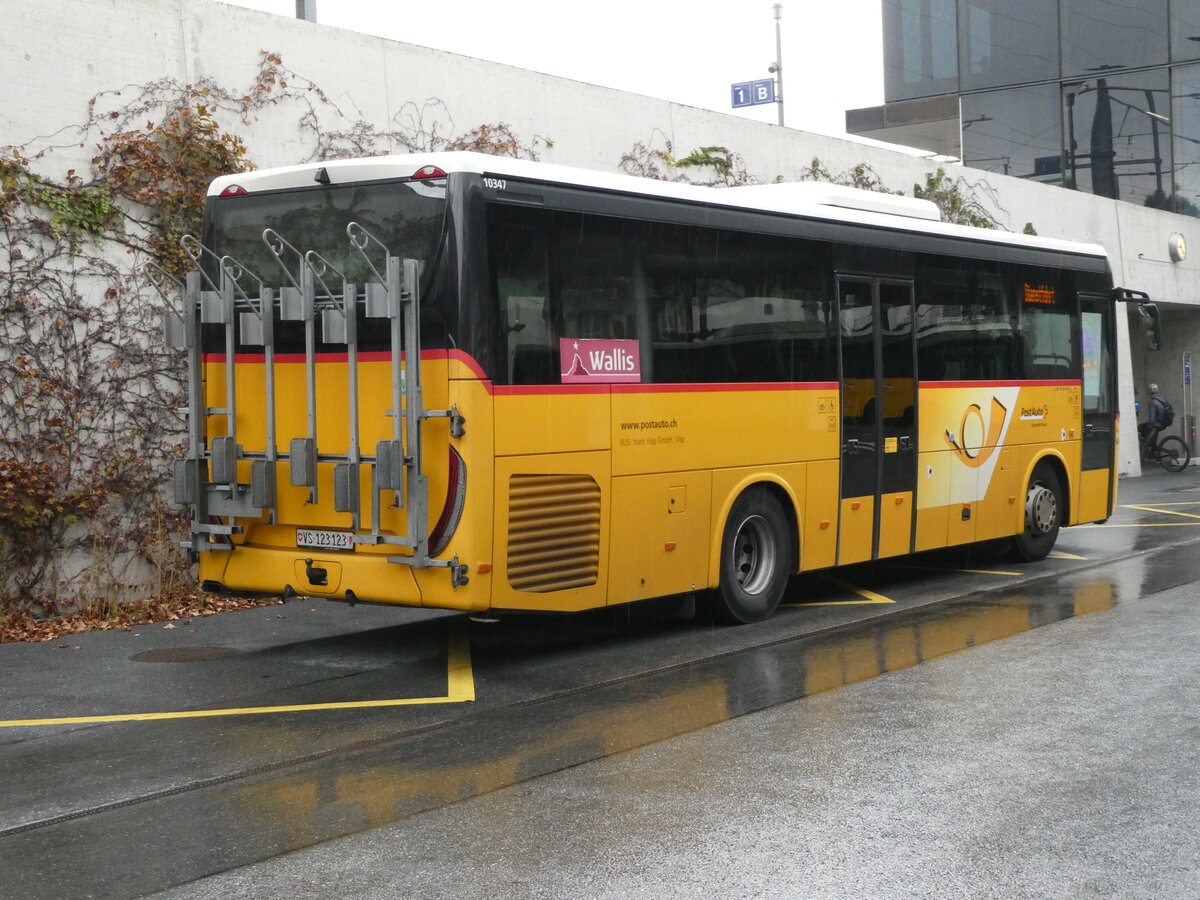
(927, 123)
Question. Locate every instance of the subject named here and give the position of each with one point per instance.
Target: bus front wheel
(1044, 507)
(755, 558)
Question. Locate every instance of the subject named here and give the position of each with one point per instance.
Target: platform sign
(753, 93)
(1187, 368)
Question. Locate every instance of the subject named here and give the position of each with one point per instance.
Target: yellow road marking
(1062, 554)
(1165, 512)
(460, 688)
(967, 571)
(460, 677)
(1144, 524)
(985, 572)
(1170, 503)
(869, 596)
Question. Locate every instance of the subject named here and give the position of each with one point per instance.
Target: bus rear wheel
(1044, 505)
(755, 558)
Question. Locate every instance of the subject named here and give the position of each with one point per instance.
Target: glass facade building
(1096, 95)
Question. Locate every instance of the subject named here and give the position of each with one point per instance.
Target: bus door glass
(878, 418)
(898, 426)
(1099, 404)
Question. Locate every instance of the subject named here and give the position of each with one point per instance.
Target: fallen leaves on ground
(17, 625)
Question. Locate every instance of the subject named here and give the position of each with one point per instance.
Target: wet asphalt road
(1058, 763)
(630, 753)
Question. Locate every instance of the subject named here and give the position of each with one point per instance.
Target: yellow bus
(469, 382)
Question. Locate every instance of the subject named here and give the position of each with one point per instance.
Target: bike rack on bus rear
(207, 479)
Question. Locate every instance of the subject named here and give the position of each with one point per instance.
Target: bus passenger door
(1099, 404)
(879, 433)
(898, 427)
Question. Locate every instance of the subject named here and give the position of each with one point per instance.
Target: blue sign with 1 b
(752, 93)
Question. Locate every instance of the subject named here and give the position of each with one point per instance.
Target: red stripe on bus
(505, 390)
(616, 387)
(219, 358)
(701, 388)
(365, 356)
(466, 359)
(525, 390)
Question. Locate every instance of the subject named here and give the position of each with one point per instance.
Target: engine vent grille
(553, 532)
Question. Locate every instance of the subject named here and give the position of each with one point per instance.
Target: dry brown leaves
(20, 626)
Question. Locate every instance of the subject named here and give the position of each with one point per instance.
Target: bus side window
(517, 246)
(597, 277)
(761, 309)
(1046, 328)
(966, 322)
(675, 328)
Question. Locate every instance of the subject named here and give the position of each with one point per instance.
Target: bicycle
(1170, 452)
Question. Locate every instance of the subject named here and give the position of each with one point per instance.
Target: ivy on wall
(715, 166)
(90, 396)
(712, 166)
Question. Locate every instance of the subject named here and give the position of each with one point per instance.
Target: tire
(1044, 507)
(1173, 454)
(756, 557)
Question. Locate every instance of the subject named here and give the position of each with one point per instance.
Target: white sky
(689, 51)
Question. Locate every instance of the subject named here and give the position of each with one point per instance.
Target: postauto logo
(978, 436)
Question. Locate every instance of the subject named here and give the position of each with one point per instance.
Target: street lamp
(776, 68)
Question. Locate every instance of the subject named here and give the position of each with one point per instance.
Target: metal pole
(306, 10)
(779, 61)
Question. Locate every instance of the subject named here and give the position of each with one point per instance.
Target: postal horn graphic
(969, 454)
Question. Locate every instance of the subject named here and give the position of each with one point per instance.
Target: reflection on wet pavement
(553, 693)
(276, 811)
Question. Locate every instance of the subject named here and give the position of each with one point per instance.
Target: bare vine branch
(90, 397)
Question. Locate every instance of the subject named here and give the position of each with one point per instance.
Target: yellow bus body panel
(819, 523)
(661, 535)
(654, 469)
(979, 446)
(857, 530)
(551, 421)
(1093, 495)
(895, 524)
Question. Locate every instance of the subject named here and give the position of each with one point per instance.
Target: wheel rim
(1041, 509)
(753, 554)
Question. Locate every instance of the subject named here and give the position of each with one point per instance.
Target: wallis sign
(590, 361)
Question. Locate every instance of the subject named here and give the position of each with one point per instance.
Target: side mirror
(1151, 326)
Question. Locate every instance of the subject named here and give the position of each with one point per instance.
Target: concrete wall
(57, 54)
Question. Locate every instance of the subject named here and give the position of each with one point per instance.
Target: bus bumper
(336, 576)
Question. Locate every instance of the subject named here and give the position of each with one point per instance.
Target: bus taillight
(456, 493)
(429, 172)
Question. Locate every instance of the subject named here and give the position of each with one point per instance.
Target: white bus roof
(810, 199)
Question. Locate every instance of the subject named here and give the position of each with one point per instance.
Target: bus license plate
(324, 540)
